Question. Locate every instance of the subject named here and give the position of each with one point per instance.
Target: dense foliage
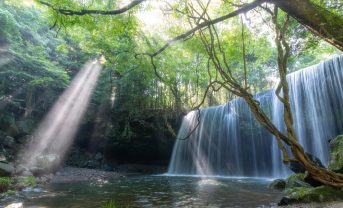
(134, 107)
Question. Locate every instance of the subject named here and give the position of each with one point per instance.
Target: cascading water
(229, 141)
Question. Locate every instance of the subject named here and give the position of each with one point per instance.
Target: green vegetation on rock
(336, 162)
(313, 194)
(25, 181)
(278, 184)
(5, 183)
(296, 180)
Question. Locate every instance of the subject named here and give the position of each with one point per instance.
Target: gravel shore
(71, 174)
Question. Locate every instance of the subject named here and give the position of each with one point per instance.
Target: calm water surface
(158, 191)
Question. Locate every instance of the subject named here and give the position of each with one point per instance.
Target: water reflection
(159, 191)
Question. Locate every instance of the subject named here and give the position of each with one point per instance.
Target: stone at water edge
(278, 184)
(311, 194)
(336, 154)
(15, 205)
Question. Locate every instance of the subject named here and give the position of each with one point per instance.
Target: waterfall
(227, 140)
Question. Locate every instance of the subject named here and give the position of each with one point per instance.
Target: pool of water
(158, 191)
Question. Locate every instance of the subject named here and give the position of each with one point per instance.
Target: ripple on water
(159, 191)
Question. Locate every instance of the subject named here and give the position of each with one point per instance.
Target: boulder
(25, 139)
(2, 135)
(284, 201)
(36, 171)
(315, 160)
(278, 184)
(336, 154)
(98, 156)
(107, 168)
(8, 141)
(6, 154)
(93, 164)
(297, 167)
(311, 194)
(25, 126)
(26, 173)
(296, 180)
(3, 158)
(15, 205)
(47, 163)
(6, 169)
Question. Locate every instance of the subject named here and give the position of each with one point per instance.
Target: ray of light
(55, 133)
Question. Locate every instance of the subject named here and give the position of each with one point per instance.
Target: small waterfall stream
(228, 140)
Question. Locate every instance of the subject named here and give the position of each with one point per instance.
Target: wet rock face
(336, 155)
(6, 140)
(6, 169)
(83, 159)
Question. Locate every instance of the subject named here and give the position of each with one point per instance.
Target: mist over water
(56, 132)
(230, 142)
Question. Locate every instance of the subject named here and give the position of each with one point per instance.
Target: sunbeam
(57, 130)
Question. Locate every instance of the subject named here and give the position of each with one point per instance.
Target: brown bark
(318, 20)
(320, 174)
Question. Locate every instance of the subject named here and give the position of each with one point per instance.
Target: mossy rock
(296, 180)
(278, 184)
(336, 162)
(313, 194)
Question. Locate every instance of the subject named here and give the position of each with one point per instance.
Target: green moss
(296, 180)
(11, 192)
(5, 183)
(26, 181)
(278, 184)
(311, 194)
(336, 163)
(297, 176)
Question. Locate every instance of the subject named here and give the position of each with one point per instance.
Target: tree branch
(183, 36)
(97, 12)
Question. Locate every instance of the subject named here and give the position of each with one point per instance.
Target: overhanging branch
(88, 11)
(183, 36)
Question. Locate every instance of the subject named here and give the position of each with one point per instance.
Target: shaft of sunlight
(56, 132)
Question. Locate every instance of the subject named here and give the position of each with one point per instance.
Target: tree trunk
(318, 20)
